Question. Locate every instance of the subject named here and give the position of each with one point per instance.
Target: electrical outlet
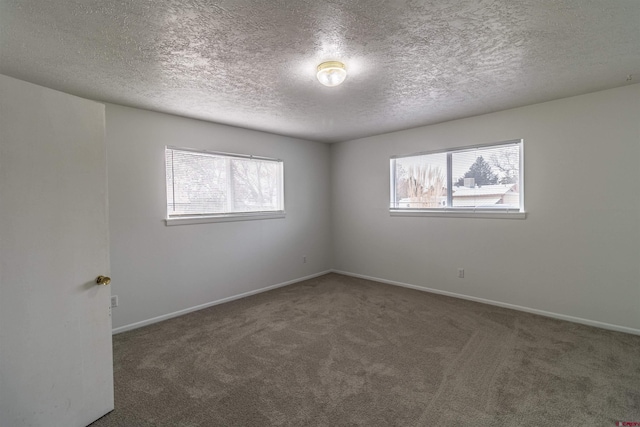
(114, 301)
(304, 259)
(461, 273)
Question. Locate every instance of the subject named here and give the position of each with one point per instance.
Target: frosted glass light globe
(331, 73)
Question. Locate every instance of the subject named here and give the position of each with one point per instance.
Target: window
(207, 185)
(484, 179)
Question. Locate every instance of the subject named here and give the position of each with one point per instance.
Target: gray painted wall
(158, 270)
(577, 253)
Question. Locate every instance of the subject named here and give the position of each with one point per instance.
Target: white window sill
(249, 216)
(459, 214)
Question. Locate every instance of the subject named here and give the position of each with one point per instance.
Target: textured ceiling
(251, 63)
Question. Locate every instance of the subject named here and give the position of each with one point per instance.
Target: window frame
(227, 216)
(460, 212)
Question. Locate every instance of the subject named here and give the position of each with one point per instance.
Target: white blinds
(201, 183)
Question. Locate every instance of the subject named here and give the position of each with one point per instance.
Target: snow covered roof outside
(485, 190)
(474, 203)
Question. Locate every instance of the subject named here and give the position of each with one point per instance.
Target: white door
(55, 325)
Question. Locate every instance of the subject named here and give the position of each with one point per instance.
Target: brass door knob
(103, 280)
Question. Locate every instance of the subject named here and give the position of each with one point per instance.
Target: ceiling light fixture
(331, 73)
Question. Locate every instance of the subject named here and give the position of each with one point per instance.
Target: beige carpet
(339, 351)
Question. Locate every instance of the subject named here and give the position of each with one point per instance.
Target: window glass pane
(486, 177)
(256, 185)
(421, 182)
(200, 183)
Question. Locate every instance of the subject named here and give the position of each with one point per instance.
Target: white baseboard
(210, 304)
(573, 319)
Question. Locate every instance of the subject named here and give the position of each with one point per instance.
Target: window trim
(222, 153)
(452, 212)
(185, 219)
(204, 219)
(460, 213)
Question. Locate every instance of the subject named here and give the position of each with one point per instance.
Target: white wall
(577, 253)
(158, 270)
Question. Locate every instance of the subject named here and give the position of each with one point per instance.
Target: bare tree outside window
(507, 163)
(255, 184)
(425, 186)
(420, 182)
